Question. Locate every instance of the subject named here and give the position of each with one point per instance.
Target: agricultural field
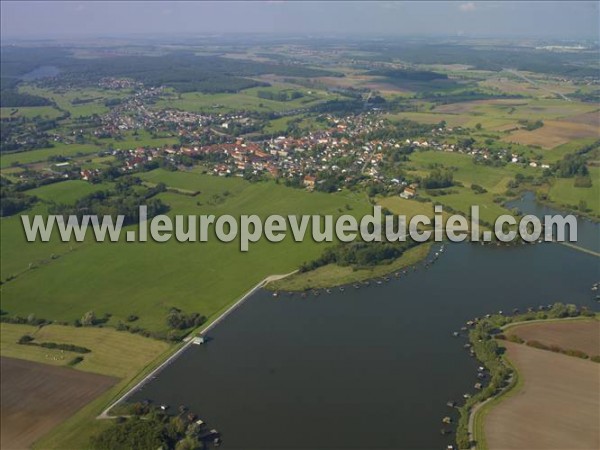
(37, 397)
(552, 409)
(115, 356)
(554, 133)
(564, 192)
(202, 277)
(246, 100)
(569, 335)
(47, 112)
(66, 191)
(93, 99)
(59, 149)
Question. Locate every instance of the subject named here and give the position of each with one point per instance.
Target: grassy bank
(333, 275)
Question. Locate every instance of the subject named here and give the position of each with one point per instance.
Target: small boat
(447, 420)
(451, 404)
(456, 334)
(275, 294)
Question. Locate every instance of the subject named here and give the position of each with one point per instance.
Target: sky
(59, 19)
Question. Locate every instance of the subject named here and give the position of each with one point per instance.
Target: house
(408, 193)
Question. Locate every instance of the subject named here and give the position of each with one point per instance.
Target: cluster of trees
(11, 200)
(29, 340)
(359, 254)
(478, 189)
(531, 125)
(281, 96)
(14, 99)
(438, 179)
(572, 64)
(149, 428)
(571, 165)
(29, 320)
(186, 71)
(409, 74)
(178, 320)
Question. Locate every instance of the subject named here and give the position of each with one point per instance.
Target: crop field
(554, 133)
(452, 120)
(113, 353)
(555, 408)
(568, 335)
(37, 397)
(116, 355)
(202, 277)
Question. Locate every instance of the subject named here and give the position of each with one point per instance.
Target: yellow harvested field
(553, 134)
(115, 353)
(558, 406)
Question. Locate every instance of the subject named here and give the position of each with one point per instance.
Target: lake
(588, 232)
(364, 368)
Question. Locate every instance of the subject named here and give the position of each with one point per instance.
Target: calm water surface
(369, 368)
(588, 232)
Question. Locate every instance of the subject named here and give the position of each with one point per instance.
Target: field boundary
(189, 341)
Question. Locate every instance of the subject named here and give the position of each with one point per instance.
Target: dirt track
(558, 406)
(37, 397)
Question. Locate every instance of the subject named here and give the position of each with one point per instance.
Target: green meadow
(147, 279)
(66, 191)
(247, 99)
(48, 112)
(564, 192)
(43, 154)
(94, 98)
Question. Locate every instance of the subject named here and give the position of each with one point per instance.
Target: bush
(25, 339)
(75, 361)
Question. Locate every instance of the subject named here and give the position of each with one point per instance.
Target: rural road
(477, 407)
(105, 414)
(533, 83)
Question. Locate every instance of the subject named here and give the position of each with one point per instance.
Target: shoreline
(189, 340)
(513, 383)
